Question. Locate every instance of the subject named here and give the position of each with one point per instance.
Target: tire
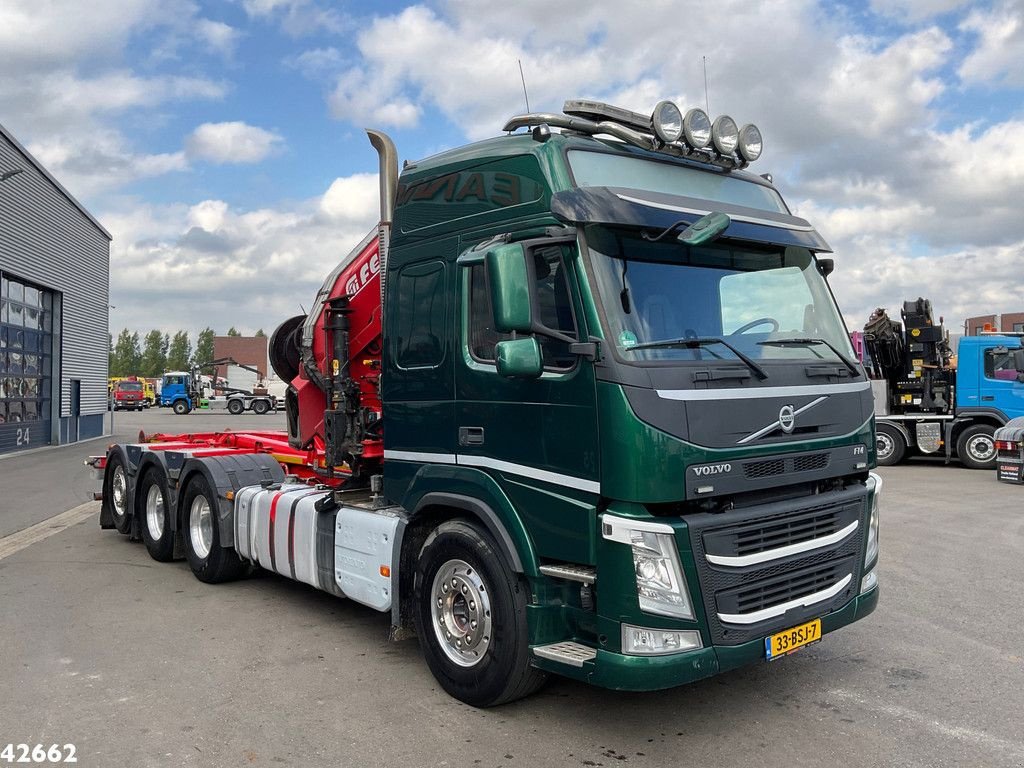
(488, 669)
(890, 445)
(976, 447)
(181, 407)
(235, 407)
(139, 408)
(260, 407)
(209, 561)
(119, 503)
(154, 513)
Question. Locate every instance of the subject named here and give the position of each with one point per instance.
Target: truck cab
(987, 377)
(177, 391)
(631, 365)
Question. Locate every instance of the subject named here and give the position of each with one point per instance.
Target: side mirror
(509, 277)
(1018, 359)
(826, 266)
(519, 358)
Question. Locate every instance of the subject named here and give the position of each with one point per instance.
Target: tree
(233, 332)
(127, 354)
(260, 334)
(179, 352)
(154, 359)
(204, 350)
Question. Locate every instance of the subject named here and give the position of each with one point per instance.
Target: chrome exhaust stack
(388, 184)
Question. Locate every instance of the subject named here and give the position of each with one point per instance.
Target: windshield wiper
(703, 341)
(806, 342)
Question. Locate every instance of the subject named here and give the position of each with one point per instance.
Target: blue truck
(927, 402)
(184, 391)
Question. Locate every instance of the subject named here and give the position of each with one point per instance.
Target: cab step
(585, 574)
(566, 652)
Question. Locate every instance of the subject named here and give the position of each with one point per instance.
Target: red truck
(127, 394)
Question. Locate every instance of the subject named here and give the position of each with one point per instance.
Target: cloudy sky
(221, 142)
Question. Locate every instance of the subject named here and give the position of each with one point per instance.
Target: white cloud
(207, 255)
(913, 11)
(222, 37)
(298, 17)
(100, 160)
(232, 142)
(997, 58)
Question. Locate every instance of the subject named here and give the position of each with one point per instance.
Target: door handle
(471, 435)
(988, 397)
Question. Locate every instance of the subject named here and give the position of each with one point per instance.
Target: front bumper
(620, 672)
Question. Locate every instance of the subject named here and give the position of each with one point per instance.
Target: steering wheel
(754, 323)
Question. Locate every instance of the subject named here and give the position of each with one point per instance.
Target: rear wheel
(471, 617)
(155, 515)
(890, 446)
(235, 407)
(976, 447)
(119, 495)
(260, 407)
(209, 561)
(181, 407)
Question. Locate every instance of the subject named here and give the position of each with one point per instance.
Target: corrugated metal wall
(46, 239)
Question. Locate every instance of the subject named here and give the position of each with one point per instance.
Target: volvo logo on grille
(712, 469)
(787, 419)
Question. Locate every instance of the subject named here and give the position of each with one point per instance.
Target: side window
(999, 364)
(482, 335)
(554, 308)
(420, 319)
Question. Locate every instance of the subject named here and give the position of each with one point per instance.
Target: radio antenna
(707, 104)
(523, 78)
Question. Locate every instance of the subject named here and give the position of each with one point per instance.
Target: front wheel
(976, 447)
(156, 516)
(890, 447)
(209, 561)
(181, 407)
(471, 617)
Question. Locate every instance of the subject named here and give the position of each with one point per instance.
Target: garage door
(26, 364)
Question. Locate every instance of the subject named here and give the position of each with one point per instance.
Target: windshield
(765, 303)
(129, 386)
(603, 169)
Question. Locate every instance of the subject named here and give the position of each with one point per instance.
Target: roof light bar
(667, 130)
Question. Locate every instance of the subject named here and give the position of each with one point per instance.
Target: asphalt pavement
(137, 663)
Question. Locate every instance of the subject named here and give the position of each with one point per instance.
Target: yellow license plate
(782, 643)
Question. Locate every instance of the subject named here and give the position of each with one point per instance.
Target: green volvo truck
(624, 436)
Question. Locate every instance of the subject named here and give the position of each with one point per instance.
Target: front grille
(741, 590)
(754, 470)
(790, 586)
(781, 530)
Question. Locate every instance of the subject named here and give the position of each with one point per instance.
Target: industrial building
(54, 302)
(1008, 322)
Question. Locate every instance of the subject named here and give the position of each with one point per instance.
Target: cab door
(536, 438)
(1000, 388)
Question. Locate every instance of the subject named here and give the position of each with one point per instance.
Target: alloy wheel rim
(461, 612)
(884, 446)
(200, 526)
(981, 447)
(119, 489)
(155, 512)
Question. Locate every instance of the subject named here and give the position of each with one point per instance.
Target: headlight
(750, 142)
(660, 584)
(871, 551)
(697, 128)
(667, 122)
(724, 134)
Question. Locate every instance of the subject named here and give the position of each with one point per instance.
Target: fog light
(646, 641)
(870, 581)
(667, 122)
(725, 134)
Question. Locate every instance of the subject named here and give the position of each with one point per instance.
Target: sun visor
(642, 208)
